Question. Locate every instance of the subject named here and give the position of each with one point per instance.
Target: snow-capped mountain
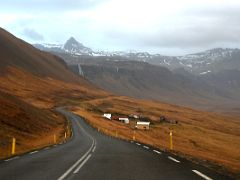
(202, 63)
(72, 46)
(49, 47)
(212, 60)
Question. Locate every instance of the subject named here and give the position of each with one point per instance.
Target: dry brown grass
(201, 135)
(27, 108)
(25, 143)
(32, 127)
(32, 83)
(44, 92)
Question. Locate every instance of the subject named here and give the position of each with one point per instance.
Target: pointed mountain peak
(74, 47)
(72, 39)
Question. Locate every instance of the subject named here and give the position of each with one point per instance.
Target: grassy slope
(199, 134)
(45, 92)
(27, 108)
(32, 83)
(32, 127)
(31, 87)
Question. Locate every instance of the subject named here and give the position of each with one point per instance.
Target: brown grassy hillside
(17, 53)
(45, 92)
(199, 134)
(28, 102)
(32, 83)
(32, 127)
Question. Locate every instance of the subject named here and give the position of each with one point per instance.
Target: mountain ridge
(17, 53)
(131, 74)
(200, 63)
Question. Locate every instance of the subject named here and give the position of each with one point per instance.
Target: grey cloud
(32, 34)
(196, 28)
(179, 37)
(197, 36)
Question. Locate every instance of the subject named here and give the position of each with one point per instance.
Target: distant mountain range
(210, 61)
(206, 80)
(71, 46)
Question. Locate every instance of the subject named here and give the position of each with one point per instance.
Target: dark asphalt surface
(90, 155)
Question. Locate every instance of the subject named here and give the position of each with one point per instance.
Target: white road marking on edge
(11, 159)
(46, 148)
(138, 144)
(173, 159)
(157, 152)
(146, 147)
(33, 152)
(82, 164)
(202, 175)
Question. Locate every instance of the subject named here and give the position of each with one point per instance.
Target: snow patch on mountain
(199, 63)
(203, 73)
(47, 45)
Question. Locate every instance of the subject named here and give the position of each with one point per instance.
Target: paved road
(90, 155)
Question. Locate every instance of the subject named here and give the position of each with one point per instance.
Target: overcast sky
(170, 27)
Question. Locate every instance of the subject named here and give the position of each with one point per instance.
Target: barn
(124, 120)
(143, 125)
(108, 116)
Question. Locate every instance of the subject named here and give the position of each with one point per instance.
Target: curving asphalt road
(90, 155)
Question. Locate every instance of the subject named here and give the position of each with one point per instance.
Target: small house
(143, 125)
(124, 120)
(108, 116)
(115, 117)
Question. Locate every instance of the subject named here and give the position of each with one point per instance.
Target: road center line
(82, 158)
(173, 159)
(94, 148)
(11, 159)
(33, 152)
(202, 175)
(76, 164)
(157, 152)
(146, 147)
(82, 164)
